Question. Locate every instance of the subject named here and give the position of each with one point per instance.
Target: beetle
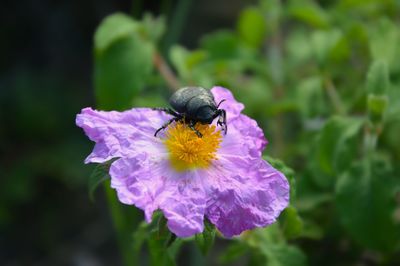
(192, 105)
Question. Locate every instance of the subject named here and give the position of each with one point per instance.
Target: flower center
(187, 150)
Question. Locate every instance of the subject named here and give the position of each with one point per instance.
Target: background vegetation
(322, 78)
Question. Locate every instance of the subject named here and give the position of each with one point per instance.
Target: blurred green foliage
(123, 61)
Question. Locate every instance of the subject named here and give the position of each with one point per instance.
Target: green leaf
(186, 61)
(158, 243)
(347, 144)
(162, 245)
(390, 135)
(336, 148)
(365, 199)
(174, 247)
(179, 55)
(254, 96)
(312, 230)
(329, 46)
(233, 252)
(221, 44)
(205, 240)
(140, 237)
(252, 27)
(377, 88)
(378, 78)
(273, 246)
(291, 222)
(154, 28)
(150, 100)
(98, 176)
(113, 28)
(123, 62)
(377, 105)
(159, 254)
(384, 38)
(298, 48)
(310, 201)
(285, 255)
(393, 110)
(309, 13)
(310, 97)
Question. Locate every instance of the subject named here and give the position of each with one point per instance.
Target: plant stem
(166, 72)
(123, 227)
(334, 96)
(371, 135)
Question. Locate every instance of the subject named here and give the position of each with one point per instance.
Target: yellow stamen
(187, 150)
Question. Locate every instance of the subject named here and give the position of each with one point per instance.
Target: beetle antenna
(223, 100)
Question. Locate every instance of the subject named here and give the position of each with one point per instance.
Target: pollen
(188, 151)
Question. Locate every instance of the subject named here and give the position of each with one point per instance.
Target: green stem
(166, 72)
(370, 139)
(123, 224)
(334, 96)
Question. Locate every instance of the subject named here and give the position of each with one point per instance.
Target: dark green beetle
(193, 105)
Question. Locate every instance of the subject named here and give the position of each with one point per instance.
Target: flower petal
(245, 193)
(252, 134)
(239, 192)
(149, 183)
(119, 134)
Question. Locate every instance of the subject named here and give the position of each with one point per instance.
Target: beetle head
(205, 115)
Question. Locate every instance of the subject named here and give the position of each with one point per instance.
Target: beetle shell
(183, 97)
(195, 102)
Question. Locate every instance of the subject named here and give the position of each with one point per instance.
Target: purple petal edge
(247, 199)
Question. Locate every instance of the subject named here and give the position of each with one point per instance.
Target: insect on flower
(193, 105)
(221, 177)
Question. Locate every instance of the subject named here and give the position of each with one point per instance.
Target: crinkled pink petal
(148, 182)
(119, 134)
(245, 193)
(254, 136)
(244, 137)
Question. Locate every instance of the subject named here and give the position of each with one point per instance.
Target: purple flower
(221, 177)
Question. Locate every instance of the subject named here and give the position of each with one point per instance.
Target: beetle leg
(166, 125)
(222, 120)
(168, 111)
(191, 126)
